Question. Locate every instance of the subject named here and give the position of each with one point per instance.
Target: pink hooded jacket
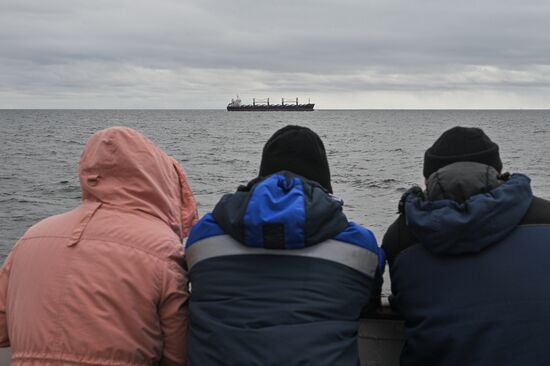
(103, 283)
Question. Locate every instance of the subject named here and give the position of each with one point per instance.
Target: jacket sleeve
(375, 300)
(174, 314)
(376, 296)
(4, 280)
(397, 238)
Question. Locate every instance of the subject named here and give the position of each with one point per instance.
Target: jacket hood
(122, 168)
(282, 211)
(462, 180)
(482, 212)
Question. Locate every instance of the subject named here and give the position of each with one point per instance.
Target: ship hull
(272, 108)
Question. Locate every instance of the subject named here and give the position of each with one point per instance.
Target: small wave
(69, 142)
(70, 189)
(231, 161)
(372, 185)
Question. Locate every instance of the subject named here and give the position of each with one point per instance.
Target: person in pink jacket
(103, 283)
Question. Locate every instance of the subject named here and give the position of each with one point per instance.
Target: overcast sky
(339, 53)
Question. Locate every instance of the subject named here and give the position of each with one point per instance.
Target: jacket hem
(21, 359)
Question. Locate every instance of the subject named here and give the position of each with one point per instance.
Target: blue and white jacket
(279, 277)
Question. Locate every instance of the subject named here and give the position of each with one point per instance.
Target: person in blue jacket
(278, 275)
(470, 260)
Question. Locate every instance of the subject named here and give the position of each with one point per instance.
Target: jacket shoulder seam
(107, 241)
(130, 246)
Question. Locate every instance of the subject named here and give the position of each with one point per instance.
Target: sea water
(374, 155)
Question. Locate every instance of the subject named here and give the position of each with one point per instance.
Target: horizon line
(320, 109)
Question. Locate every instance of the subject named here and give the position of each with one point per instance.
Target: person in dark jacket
(279, 276)
(469, 260)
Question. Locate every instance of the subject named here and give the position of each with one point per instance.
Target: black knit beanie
(298, 150)
(461, 144)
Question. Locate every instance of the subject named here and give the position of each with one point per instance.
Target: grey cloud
(126, 47)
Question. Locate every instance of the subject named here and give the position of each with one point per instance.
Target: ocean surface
(374, 155)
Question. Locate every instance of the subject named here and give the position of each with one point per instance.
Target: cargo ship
(263, 105)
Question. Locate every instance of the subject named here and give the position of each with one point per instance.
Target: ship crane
(256, 101)
(283, 100)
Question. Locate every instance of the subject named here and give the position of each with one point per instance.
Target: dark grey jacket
(469, 263)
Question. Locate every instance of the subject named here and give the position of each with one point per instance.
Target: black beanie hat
(461, 144)
(298, 150)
